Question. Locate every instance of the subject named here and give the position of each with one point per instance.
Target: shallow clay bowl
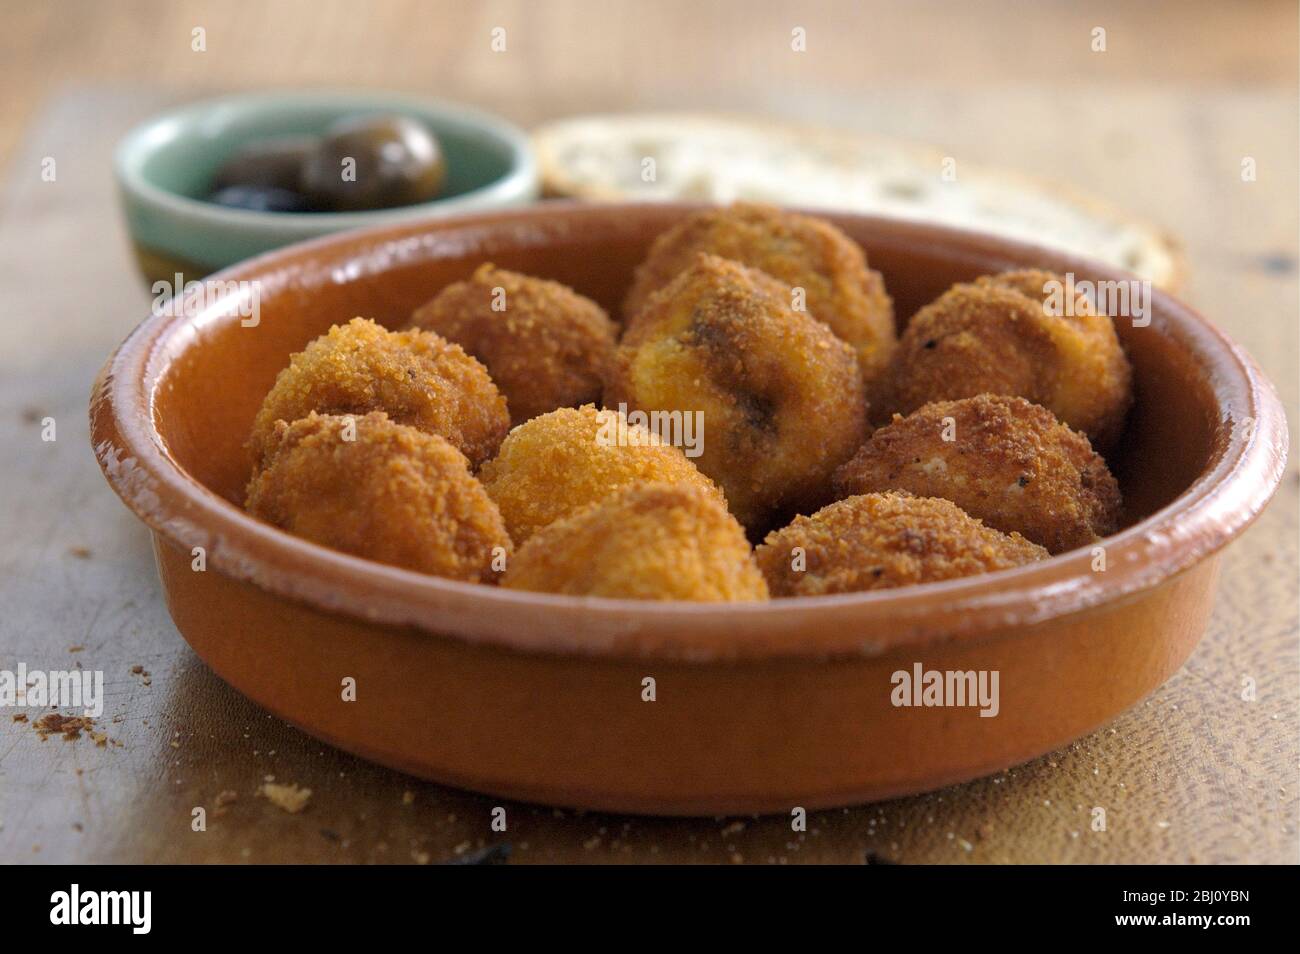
(759, 707)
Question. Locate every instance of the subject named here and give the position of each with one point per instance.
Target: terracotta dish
(757, 708)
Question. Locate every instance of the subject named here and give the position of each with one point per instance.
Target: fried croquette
(1001, 335)
(381, 490)
(653, 541)
(879, 541)
(545, 345)
(779, 396)
(416, 377)
(800, 252)
(1003, 460)
(562, 461)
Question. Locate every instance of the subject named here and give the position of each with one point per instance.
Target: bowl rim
(521, 178)
(1245, 468)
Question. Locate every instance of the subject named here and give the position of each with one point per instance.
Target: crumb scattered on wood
(81, 553)
(287, 797)
(408, 797)
(70, 727)
(20, 716)
(223, 799)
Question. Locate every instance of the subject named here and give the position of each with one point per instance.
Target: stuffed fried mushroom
(778, 395)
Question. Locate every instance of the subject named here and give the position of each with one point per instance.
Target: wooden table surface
(1158, 124)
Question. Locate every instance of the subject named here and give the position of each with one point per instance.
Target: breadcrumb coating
(781, 397)
(1009, 463)
(381, 490)
(880, 541)
(797, 250)
(415, 377)
(650, 542)
(559, 462)
(544, 345)
(996, 336)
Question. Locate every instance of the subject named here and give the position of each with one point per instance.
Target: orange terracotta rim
(1244, 469)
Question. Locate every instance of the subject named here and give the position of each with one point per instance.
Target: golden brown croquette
(562, 461)
(998, 335)
(381, 490)
(649, 542)
(1003, 460)
(800, 252)
(780, 397)
(879, 541)
(545, 345)
(415, 377)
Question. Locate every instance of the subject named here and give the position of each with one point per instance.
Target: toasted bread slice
(722, 158)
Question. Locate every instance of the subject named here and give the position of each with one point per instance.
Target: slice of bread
(723, 158)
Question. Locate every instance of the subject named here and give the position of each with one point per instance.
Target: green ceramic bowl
(164, 168)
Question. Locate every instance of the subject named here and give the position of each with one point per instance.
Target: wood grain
(1195, 773)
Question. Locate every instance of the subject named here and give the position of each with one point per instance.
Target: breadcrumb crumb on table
(222, 801)
(287, 796)
(70, 727)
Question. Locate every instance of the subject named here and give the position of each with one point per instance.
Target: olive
(374, 162)
(275, 162)
(260, 198)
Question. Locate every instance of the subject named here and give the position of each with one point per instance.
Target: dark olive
(275, 162)
(374, 162)
(257, 198)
